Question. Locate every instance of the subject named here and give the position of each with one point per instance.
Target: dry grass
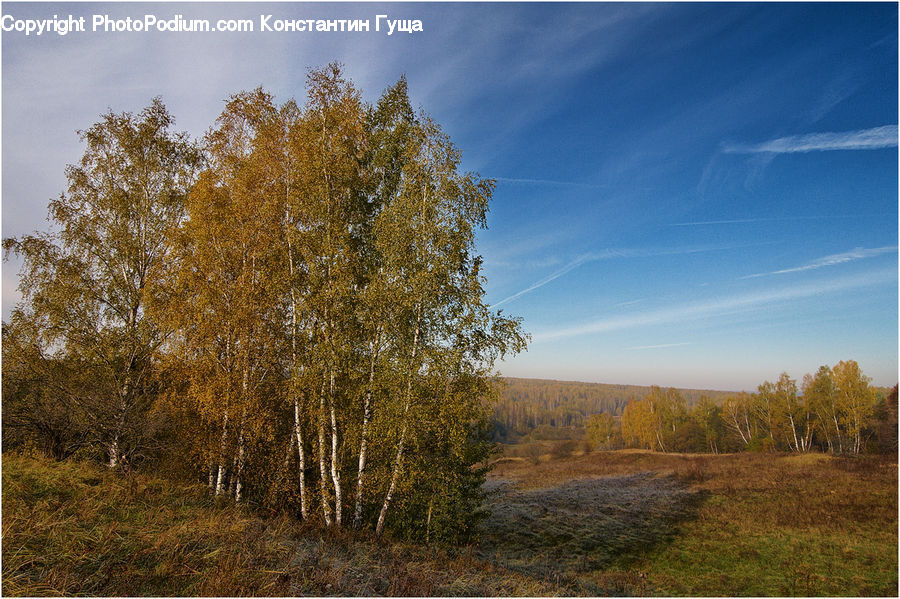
(584, 525)
(74, 529)
(620, 523)
(71, 528)
(767, 524)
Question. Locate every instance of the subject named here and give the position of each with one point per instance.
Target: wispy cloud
(717, 307)
(630, 303)
(608, 254)
(741, 221)
(555, 275)
(832, 260)
(864, 139)
(733, 221)
(660, 346)
(548, 182)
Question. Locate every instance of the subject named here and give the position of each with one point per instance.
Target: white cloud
(630, 303)
(864, 139)
(660, 346)
(555, 275)
(547, 182)
(716, 307)
(605, 255)
(832, 260)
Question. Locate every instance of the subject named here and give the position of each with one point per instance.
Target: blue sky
(698, 195)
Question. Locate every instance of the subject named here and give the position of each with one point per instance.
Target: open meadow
(499, 299)
(736, 524)
(604, 523)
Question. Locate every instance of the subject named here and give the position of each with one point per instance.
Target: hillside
(625, 522)
(75, 528)
(635, 522)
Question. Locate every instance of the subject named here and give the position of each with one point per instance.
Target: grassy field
(735, 525)
(74, 529)
(620, 523)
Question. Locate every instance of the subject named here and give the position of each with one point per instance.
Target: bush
(563, 449)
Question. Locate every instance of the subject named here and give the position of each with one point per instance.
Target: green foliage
(292, 313)
(82, 326)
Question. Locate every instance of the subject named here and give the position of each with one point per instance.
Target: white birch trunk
(399, 458)
(394, 476)
(323, 471)
(794, 432)
(364, 440)
(335, 471)
(747, 422)
(807, 441)
(220, 479)
(837, 428)
(740, 431)
(113, 451)
(298, 433)
(239, 461)
(363, 446)
(659, 440)
(302, 458)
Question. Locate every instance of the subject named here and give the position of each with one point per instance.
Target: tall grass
(74, 529)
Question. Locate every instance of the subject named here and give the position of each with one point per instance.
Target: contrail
(864, 139)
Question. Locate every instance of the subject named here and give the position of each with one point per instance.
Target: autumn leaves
(303, 292)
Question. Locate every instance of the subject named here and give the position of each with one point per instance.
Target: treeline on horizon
(538, 408)
(289, 310)
(835, 410)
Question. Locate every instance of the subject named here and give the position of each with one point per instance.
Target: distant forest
(834, 410)
(548, 409)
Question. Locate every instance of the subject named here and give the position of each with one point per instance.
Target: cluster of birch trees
(832, 410)
(295, 302)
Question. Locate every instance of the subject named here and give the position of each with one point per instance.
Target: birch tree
(391, 124)
(319, 308)
(794, 414)
(739, 417)
(819, 394)
(425, 237)
(225, 290)
(856, 401)
(85, 284)
(639, 424)
(330, 144)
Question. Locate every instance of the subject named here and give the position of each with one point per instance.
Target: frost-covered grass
(584, 525)
(758, 524)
